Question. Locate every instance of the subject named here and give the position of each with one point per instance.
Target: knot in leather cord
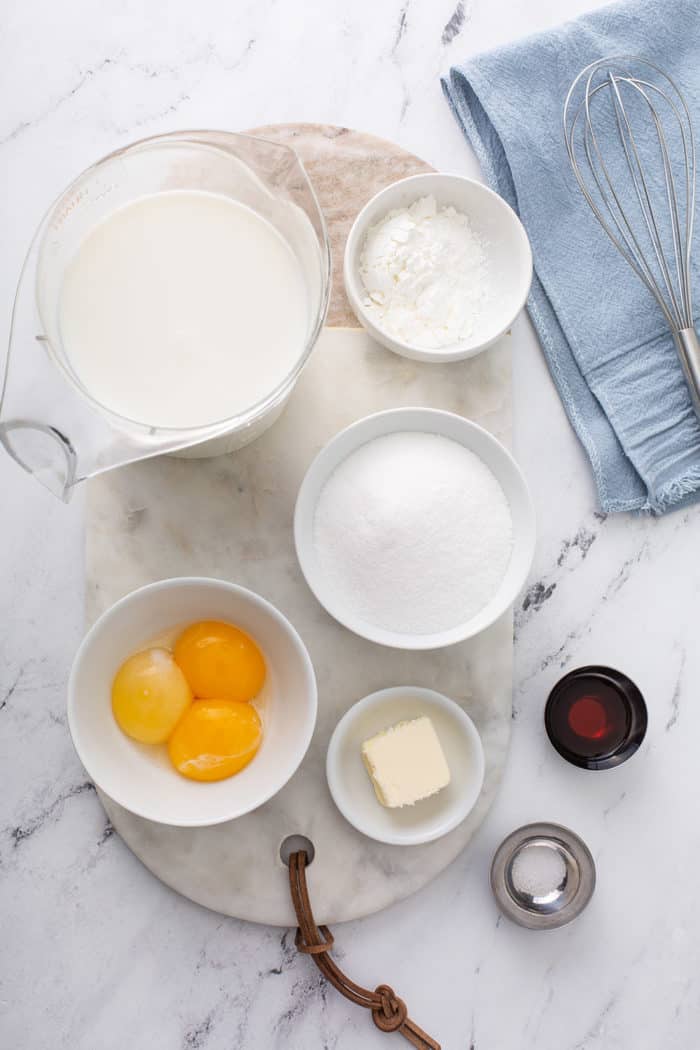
(390, 1012)
(317, 946)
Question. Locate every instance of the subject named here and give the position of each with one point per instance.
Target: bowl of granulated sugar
(415, 528)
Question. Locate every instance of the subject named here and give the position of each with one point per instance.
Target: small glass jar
(595, 717)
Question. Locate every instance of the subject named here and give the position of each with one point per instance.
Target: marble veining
(99, 955)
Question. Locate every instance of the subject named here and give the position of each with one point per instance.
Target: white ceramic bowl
(351, 786)
(471, 436)
(139, 776)
(509, 258)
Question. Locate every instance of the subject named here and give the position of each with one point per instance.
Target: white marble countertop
(97, 954)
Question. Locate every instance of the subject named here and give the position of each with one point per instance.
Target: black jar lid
(595, 717)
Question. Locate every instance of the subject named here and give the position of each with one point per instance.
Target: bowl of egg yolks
(192, 701)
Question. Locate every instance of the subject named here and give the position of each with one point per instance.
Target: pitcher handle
(39, 458)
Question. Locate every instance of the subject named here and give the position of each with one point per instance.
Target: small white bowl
(472, 437)
(509, 258)
(351, 786)
(140, 777)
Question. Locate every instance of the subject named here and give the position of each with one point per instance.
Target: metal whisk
(625, 123)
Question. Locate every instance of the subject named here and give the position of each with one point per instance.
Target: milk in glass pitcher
(168, 302)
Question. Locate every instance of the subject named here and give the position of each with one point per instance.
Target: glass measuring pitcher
(50, 423)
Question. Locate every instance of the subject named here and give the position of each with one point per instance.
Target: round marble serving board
(232, 517)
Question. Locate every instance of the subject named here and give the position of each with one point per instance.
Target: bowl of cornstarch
(414, 528)
(437, 267)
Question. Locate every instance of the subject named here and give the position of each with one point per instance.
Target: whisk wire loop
(616, 124)
(641, 187)
(626, 241)
(657, 253)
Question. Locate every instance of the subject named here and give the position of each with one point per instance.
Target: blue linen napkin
(609, 350)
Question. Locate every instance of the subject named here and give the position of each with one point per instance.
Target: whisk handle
(688, 347)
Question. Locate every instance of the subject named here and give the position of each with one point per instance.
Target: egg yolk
(220, 661)
(149, 696)
(215, 739)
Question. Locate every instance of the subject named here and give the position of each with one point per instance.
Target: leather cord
(389, 1013)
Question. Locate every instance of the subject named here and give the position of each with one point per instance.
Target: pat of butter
(406, 763)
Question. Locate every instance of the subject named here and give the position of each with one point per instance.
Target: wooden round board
(232, 516)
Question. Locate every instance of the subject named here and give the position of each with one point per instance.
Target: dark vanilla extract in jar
(596, 717)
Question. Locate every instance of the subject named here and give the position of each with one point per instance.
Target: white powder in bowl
(425, 274)
(413, 533)
(538, 870)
